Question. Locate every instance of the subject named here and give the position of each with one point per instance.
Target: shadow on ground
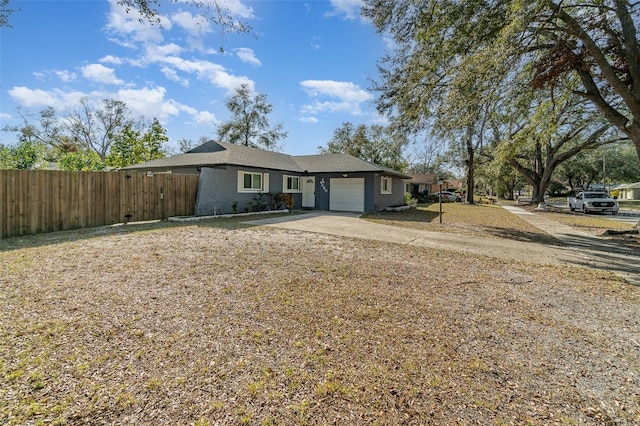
(527, 237)
(52, 238)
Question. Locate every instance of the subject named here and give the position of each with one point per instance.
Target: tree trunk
(469, 199)
(634, 135)
(539, 189)
(544, 173)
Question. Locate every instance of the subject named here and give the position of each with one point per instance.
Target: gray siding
(396, 198)
(218, 190)
(323, 190)
(374, 201)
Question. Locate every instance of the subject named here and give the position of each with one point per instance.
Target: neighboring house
(456, 185)
(629, 191)
(425, 184)
(237, 176)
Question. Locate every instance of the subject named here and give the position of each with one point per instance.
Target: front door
(308, 192)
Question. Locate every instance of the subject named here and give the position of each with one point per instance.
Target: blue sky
(313, 60)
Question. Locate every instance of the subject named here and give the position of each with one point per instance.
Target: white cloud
(194, 24)
(236, 8)
(110, 59)
(41, 98)
(128, 31)
(172, 75)
(65, 76)
(344, 97)
(205, 118)
(343, 90)
(149, 102)
(247, 55)
(214, 73)
(351, 108)
(157, 53)
(5, 116)
(350, 9)
(308, 120)
(32, 98)
(129, 28)
(132, 26)
(62, 75)
(100, 74)
(167, 57)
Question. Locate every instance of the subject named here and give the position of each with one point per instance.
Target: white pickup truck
(593, 201)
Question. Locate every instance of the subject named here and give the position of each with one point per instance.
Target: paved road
(602, 253)
(574, 248)
(626, 216)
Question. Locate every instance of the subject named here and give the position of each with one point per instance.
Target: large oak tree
(454, 61)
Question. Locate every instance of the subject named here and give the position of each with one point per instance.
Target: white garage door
(346, 194)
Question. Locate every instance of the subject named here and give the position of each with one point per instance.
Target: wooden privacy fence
(33, 201)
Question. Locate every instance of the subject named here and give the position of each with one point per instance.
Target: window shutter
(265, 182)
(240, 181)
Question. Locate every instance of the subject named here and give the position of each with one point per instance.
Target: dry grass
(593, 224)
(483, 220)
(218, 323)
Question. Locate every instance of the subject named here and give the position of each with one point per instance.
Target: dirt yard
(219, 323)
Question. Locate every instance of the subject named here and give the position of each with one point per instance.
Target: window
(253, 182)
(291, 183)
(385, 185)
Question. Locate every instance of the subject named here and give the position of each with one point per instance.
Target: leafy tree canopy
(88, 138)
(375, 144)
(131, 146)
(80, 160)
(5, 12)
(440, 43)
(25, 155)
(249, 125)
(616, 163)
(455, 63)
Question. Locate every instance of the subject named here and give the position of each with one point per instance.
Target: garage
(346, 194)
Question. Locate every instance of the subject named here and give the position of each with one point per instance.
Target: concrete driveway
(574, 248)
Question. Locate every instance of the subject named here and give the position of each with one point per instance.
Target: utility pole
(604, 172)
(440, 182)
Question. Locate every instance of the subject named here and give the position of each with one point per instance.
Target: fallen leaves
(224, 324)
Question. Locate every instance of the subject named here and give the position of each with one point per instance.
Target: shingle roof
(218, 153)
(341, 163)
(628, 186)
(423, 178)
